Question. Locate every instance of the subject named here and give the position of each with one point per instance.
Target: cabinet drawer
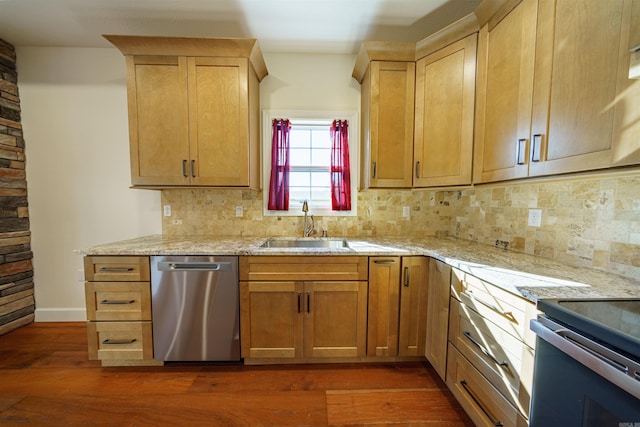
(483, 403)
(504, 360)
(508, 311)
(120, 340)
(116, 269)
(118, 300)
(265, 268)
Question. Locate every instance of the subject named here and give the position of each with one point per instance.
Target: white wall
(74, 117)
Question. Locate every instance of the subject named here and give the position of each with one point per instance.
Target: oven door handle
(614, 367)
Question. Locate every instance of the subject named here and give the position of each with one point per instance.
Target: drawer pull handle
(507, 314)
(467, 334)
(463, 383)
(115, 270)
(107, 302)
(385, 261)
(118, 342)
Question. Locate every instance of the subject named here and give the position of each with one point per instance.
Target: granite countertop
(525, 275)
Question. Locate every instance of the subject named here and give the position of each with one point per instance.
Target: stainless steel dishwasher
(195, 308)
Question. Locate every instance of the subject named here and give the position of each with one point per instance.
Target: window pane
(299, 179)
(297, 195)
(321, 158)
(299, 157)
(321, 138)
(320, 179)
(299, 138)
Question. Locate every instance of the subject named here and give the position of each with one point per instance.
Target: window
(310, 160)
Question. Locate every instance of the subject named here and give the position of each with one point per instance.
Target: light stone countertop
(525, 275)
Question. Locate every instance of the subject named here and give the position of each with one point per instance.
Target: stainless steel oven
(587, 364)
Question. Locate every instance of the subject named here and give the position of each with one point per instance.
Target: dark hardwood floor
(46, 379)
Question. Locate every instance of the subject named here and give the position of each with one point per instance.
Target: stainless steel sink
(306, 243)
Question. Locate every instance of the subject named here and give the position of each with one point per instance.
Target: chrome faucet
(307, 227)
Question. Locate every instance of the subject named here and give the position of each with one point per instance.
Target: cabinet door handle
(193, 168)
(521, 148)
(486, 352)
(417, 169)
(374, 170)
(107, 302)
(536, 147)
(308, 302)
(299, 302)
(115, 270)
(407, 278)
(466, 388)
(118, 342)
(184, 168)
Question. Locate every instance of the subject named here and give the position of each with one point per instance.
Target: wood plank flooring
(47, 380)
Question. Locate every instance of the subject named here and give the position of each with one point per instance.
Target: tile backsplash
(590, 221)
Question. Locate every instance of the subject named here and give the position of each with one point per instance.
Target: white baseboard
(61, 315)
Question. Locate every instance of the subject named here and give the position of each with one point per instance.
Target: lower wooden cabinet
(294, 318)
(303, 320)
(438, 315)
(480, 399)
(489, 333)
(413, 305)
(120, 343)
(397, 306)
(118, 303)
(384, 306)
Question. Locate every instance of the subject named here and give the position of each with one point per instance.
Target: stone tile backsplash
(591, 221)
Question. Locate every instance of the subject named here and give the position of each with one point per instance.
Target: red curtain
(340, 169)
(279, 185)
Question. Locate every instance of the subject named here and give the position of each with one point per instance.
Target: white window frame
(354, 150)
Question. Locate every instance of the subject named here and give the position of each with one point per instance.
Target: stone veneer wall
(17, 304)
(591, 221)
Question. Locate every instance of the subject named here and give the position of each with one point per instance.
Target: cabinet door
(270, 319)
(335, 319)
(158, 119)
(413, 305)
(585, 112)
(445, 102)
(384, 305)
(504, 93)
(438, 315)
(388, 156)
(218, 121)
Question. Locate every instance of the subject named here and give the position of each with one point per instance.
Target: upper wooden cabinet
(387, 125)
(504, 93)
(193, 110)
(444, 111)
(586, 111)
(553, 94)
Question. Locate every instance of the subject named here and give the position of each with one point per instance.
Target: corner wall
(17, 304)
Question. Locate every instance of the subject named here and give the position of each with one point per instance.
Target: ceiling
(319, 26)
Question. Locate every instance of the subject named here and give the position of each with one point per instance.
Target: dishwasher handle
(193, 266)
